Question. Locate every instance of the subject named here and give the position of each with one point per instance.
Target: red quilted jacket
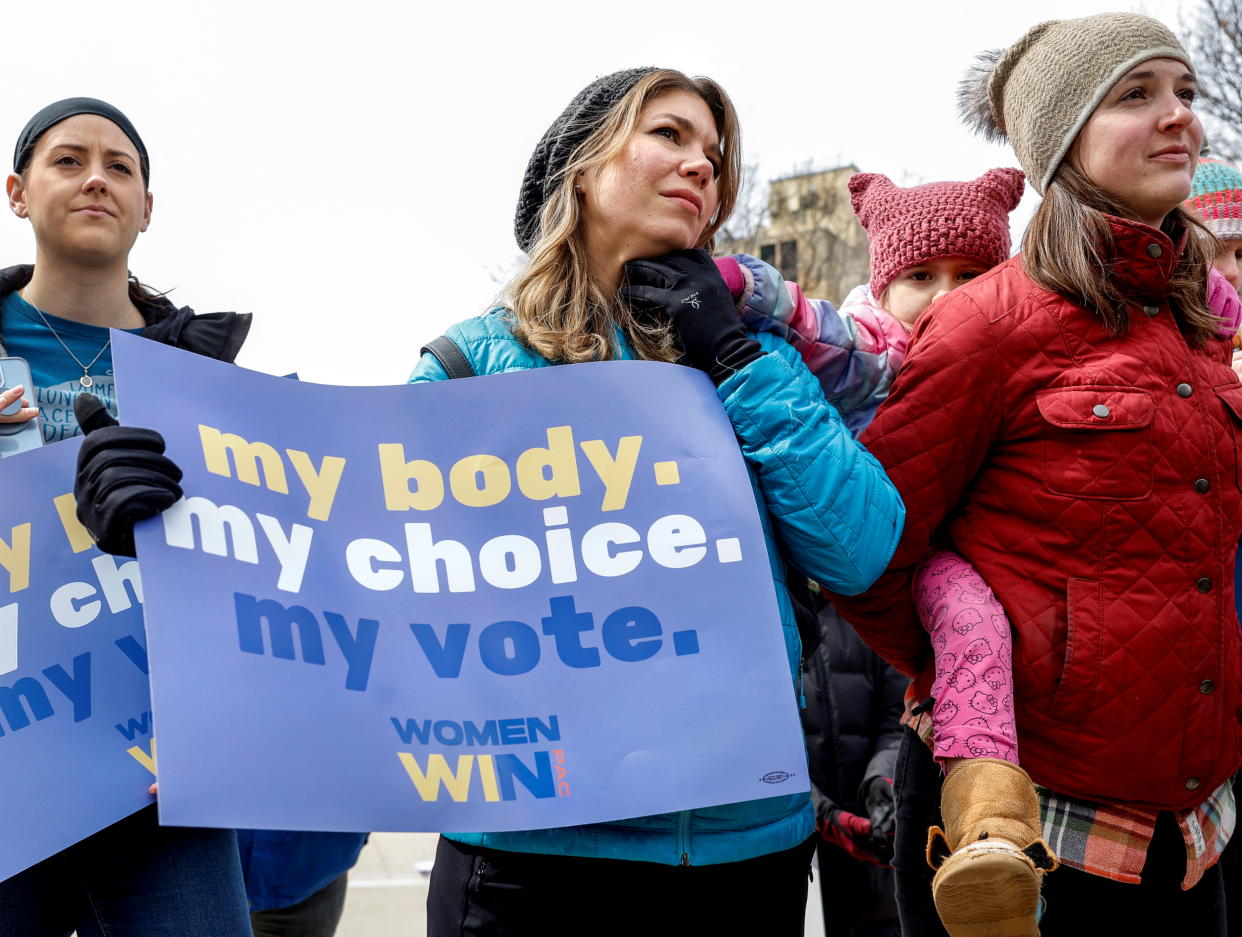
(1095, 483)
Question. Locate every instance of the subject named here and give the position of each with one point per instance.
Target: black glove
(123, 477)
(687, 287)
(881, 806)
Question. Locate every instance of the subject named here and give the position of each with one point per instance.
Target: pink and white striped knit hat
(1216, 194)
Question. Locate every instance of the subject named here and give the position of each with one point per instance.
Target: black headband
(53, 114)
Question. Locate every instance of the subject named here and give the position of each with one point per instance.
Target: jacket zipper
(683, 836)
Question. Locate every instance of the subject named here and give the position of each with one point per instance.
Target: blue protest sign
(75, 719)
(510, 602)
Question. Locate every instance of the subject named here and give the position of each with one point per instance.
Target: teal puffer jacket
(839, 517)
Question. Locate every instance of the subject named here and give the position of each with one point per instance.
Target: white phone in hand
(18, 437)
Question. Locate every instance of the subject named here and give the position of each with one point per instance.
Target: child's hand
(731, 273)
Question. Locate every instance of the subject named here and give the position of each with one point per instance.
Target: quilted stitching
(1099, 441)
(1116, 570)
(1093, 407)
(798, 446)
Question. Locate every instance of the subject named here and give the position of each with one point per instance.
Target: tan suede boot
(989, 885)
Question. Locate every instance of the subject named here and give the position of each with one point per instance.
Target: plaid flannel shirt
(1112, 840)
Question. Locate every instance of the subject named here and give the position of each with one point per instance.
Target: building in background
(808, 231)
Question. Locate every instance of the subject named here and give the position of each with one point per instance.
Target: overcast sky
(347, 171)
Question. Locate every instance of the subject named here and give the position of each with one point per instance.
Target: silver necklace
(85, 379)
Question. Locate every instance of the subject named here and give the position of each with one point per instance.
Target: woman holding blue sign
(80, 176)
(621, 198)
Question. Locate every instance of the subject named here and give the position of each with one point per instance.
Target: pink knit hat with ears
(940, 219)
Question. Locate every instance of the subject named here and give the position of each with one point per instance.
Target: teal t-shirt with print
(56, 377)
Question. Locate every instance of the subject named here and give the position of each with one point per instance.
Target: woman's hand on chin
(686, 286)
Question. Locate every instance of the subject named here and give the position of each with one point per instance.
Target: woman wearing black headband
(80, 175)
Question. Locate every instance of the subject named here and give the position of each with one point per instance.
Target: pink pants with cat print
(970, 634)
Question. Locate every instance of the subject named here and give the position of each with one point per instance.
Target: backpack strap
(450, 356)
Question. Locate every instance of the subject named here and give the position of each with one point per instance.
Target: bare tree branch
(750, 213)
(1213, 34)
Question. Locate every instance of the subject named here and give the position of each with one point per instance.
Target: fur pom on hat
(1040, 91)
(973, 102)
(912, 226)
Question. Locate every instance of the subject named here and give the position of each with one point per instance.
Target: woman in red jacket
(1069, 423)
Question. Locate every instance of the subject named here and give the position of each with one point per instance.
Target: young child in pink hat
(924, 242)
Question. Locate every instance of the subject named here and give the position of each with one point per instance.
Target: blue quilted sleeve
(428, 369)
(837, 512)
(487, 344)
(853, 352)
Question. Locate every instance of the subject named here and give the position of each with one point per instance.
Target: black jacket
(216, 335)
(853, 705)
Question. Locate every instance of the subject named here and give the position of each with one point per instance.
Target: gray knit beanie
(1040, 91)
(577, 122)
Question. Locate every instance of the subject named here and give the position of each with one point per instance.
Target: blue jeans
(133, 879)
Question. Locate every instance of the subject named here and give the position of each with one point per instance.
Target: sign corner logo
(776, 777)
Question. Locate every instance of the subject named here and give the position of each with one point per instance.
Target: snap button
(1152, 310)
(1204, 584)
(1184, 390)
(1154, 250)
(1202, 485)
(1206, 687)
(1192, 784)
(1100, 410)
